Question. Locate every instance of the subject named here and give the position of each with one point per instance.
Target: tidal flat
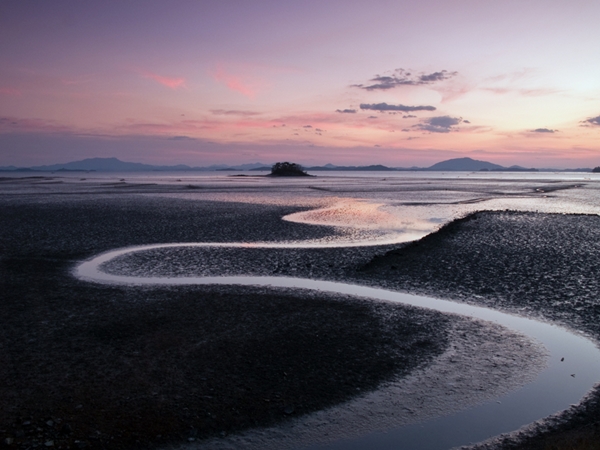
(98, 366)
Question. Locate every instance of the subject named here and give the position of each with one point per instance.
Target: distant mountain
(14, 169)
(250, 166)
(374, 167)
(516, 169)
(116, 165)
(464, 165)
(107, 165)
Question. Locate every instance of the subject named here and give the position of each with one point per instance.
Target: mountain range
(116, 165)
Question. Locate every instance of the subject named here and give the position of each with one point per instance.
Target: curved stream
(561, 384)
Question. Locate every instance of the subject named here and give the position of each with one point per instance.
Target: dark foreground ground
(542, 265)
(93, 366)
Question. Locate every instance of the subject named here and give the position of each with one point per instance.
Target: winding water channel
(573, 365)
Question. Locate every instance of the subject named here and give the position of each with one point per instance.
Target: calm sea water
(380, 207)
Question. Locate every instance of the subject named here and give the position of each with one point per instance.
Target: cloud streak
(34, 125)
(402, 77)
(543, 130)
(233, 112)
(385, 107)
(346, 111)
(234, 82)
(173, 83)
(10, 91)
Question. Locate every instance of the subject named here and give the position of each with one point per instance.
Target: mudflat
(94, 366)
(97, 366)
(539, 265)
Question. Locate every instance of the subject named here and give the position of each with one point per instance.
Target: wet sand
(111, 367)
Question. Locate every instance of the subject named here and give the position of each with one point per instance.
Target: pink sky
(345, 82)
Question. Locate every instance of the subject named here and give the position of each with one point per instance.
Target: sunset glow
(348, 83)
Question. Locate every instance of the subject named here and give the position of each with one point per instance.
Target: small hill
(286, 169)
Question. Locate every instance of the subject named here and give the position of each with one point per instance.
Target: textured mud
(108, 367)
(541, 265)
(483, 361)
(92, 366)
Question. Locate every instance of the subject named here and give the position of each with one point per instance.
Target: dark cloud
(7, 121)
(307, 126)
(319, 130)
(439, 124)
(409, 116)
(436, 76)
(346, 111)
(385, 107)
(466, 121)
(592, 120)
(233, 112)
(402, 77)
(543, 130)
(372, 117)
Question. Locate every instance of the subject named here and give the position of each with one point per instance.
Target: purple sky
(348, 82)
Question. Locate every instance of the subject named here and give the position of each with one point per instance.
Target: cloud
(34, 125)
(592, 120)
(409, 116)
(346, 111)
(233, 112)
(386, 107)
(543, 130)
(173, 83)
(466, 121)
(402, 77)
(234, 82)
(439, 124)
(524, 92)
(307, 126)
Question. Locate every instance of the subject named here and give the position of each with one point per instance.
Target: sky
(400, 83)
